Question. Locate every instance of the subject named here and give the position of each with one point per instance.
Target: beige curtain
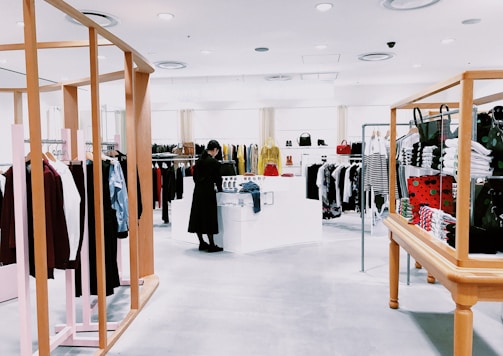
(266, 125)
(342, 113)
(186, 129)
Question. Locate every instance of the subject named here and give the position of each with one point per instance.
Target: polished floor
(311, 299)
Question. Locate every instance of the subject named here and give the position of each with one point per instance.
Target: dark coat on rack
(203, 213)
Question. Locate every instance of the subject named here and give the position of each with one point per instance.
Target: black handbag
(304, 139)
(433, 132)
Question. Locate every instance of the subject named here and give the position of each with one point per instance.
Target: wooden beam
(142, 63)
(435, 89)
(54, 44)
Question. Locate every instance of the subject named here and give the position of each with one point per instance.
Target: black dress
(203, 213)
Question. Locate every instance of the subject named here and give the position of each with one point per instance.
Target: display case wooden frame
(468, 278)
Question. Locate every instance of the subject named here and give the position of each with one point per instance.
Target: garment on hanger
(269, 162)
(57, 242)
(71, 205)
(110, 229)
(119, 197)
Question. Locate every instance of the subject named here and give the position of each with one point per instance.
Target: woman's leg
(212, 247)
(202, 244)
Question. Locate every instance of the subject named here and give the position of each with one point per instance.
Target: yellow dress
(269, 155)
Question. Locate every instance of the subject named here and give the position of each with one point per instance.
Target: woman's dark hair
(212, 145)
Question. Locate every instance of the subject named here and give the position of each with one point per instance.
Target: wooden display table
(469, 277)
(467, 285)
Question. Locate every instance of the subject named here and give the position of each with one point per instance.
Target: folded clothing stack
(481, 158)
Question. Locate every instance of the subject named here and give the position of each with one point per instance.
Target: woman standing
(203, 213)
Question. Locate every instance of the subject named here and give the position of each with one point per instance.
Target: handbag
(304, 139)
(188, 148)
(433, 132)
(344, 148)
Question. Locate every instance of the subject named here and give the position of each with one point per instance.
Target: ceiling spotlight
(102, 19)
(261, 49)
(166, 16)
(447, 41)
(407, 4)
(170, 65)
(324, 7)
(375, 57)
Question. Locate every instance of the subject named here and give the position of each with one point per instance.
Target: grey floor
(310, 299)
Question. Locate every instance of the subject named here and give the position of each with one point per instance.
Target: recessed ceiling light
(261, 49)
(324, 7)
(170, 65)
(166, 16)
(407, 4)
(471, 21)
(321, 46)
(278, 78)
(447, 41)
(102, 19)
(375, 56)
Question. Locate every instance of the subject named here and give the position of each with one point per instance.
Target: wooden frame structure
(138, 133)
(469, 278)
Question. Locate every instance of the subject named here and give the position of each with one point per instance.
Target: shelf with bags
(469, 277)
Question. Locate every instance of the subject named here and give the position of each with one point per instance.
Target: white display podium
(286, 217)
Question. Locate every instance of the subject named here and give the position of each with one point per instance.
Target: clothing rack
(135, 74)
(362, 188)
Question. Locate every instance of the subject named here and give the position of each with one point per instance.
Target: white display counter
(286, 216)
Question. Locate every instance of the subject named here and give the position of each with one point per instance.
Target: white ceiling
(232, 29)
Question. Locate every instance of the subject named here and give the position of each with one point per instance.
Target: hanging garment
(110, 229)
(57, 243)
(269, 155)
(77, 171)
(312, 190)
(71, 205)
(119, 197)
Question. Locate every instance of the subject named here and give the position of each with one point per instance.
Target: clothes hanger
(49, 156)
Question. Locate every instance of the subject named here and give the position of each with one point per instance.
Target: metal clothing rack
(362, 189)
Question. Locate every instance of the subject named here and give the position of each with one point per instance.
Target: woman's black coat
(203, 213)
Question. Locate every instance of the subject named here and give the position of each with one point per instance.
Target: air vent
(170, 65)
(407, 4)
(101, 18)
(375, 57)
(278, 78)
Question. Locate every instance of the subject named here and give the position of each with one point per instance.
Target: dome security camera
(391, 44)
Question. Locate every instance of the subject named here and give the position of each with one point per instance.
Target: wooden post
(37, 176)
(98, 188)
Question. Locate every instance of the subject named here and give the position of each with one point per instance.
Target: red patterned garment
(431, 190)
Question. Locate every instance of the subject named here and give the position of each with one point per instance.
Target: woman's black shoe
(203, 246)
(214, 248)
